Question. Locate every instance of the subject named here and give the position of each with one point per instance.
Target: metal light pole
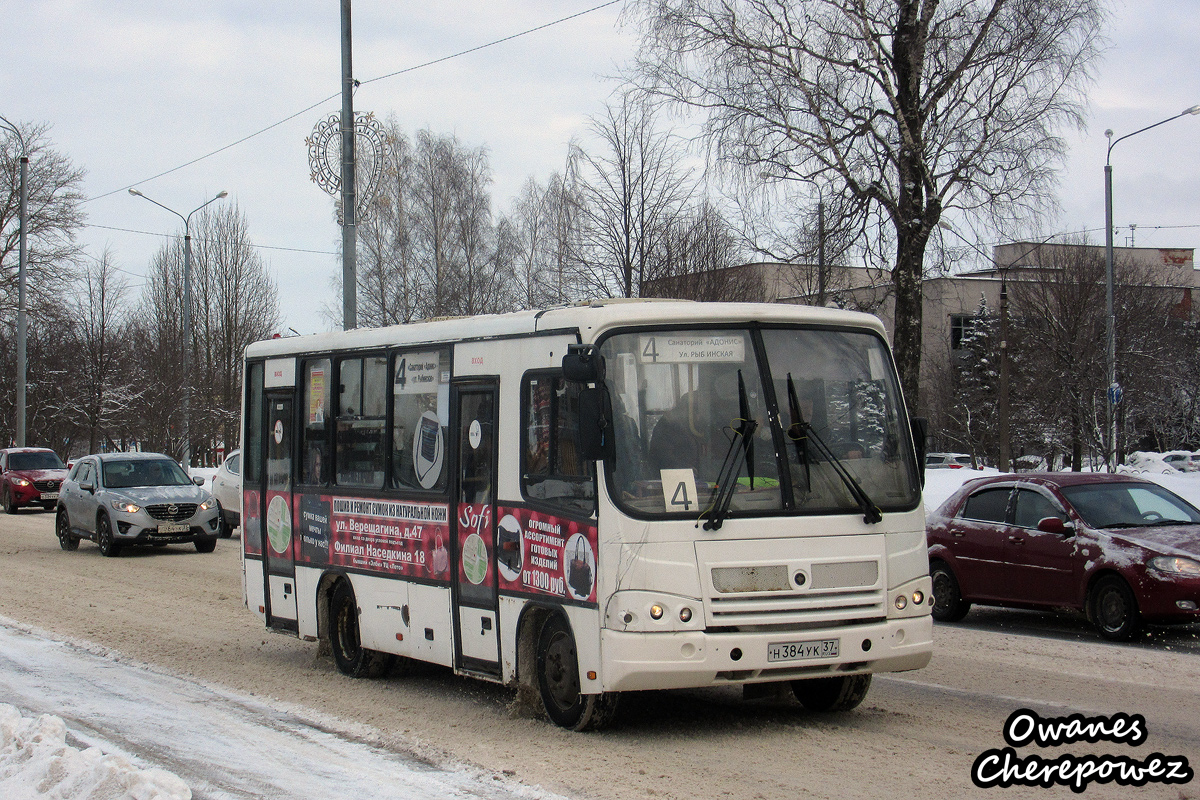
(22, 323)
(349, 231)
(1114, 388)
(187, 318)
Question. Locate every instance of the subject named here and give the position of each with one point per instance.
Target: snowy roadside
(93, 725)
(36, 761)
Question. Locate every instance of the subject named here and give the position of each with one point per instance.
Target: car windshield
(42, 460)
(681, 401)
(157, 472)
(1129, 505)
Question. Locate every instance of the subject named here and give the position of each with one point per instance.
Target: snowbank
(36, 762)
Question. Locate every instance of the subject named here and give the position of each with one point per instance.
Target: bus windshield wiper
(800, 432)
(740, 448)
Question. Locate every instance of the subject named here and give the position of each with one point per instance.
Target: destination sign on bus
(690, 348)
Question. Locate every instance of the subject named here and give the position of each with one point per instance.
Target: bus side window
(551, 471)
(362, 396)
(315, 433)
(420, 415)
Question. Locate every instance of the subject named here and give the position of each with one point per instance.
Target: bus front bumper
(687, 659)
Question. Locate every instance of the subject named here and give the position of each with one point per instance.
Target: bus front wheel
(832, 694)
(558, 682)
(348, 653)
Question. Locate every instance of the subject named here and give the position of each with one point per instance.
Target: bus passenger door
(474, 538)
(279, 543)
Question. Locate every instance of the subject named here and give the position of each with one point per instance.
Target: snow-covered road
(223, 745)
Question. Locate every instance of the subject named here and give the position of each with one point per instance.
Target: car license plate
(173, 527)
(49, 495)
(798, 651)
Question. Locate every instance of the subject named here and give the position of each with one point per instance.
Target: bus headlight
(656, 611)
(901, 602)
(685, 614)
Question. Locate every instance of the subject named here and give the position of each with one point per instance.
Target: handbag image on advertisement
(579, 571)
(441, 558)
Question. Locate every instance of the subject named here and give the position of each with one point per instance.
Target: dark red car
(30, 476)
(1122, 550)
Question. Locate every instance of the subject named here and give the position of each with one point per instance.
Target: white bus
(593, 499)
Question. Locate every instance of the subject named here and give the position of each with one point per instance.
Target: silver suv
(119, 499)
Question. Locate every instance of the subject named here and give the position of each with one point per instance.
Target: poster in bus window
(542, 554)
(316, 396)
(421, 388)
(313, 528)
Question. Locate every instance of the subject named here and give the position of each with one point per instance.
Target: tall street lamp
(187, 317)
(23, 219)
(1114, 388)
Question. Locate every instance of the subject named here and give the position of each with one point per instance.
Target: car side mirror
(1055, 525)
(198, 480)
(88, 486)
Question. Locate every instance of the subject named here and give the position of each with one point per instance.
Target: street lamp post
(1114, 388)
(22, 323)
(187, 317)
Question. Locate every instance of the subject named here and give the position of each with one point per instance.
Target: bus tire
(843, 693)
(348, 653)
(558, 682)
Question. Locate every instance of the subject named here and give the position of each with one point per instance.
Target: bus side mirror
(595, 424)
(920, 434)
(583, 364)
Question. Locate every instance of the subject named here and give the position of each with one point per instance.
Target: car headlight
(126, 506)
(1176, 565)
(21, 482)
(209, 503)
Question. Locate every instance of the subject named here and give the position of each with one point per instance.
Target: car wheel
(832, 694)
(62, 527)
(948, 603)
(206, 545)
(223, 528)
(558, 682)
(104, 537)
(348, 653)
(6, 500)
(1114, 609)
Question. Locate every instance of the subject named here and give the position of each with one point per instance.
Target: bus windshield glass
(825, 403)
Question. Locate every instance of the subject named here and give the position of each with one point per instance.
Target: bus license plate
(49, 495)
(173, 527)
(798, 651)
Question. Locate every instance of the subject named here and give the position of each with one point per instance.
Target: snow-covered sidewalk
(93, 726)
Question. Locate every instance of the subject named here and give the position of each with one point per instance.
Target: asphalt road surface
(918, 734)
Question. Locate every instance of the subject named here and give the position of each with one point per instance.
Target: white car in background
(227, 488)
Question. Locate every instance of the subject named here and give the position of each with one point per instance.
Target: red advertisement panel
(385, 536)
(540, 553)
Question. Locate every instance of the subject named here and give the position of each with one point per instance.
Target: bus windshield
(827, 409)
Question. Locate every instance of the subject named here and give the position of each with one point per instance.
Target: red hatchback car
(30, 476)
(1122, 550)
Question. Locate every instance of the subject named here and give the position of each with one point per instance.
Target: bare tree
(630, 191)
(54, 188)
(388, 274)
(907, 108)
(235, 302)
(698, 257)
(104, 384)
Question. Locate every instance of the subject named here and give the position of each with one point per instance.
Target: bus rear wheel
(351, 657)
(832, 694)
(558, 682)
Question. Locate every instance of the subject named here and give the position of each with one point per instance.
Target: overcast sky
(132, 89)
